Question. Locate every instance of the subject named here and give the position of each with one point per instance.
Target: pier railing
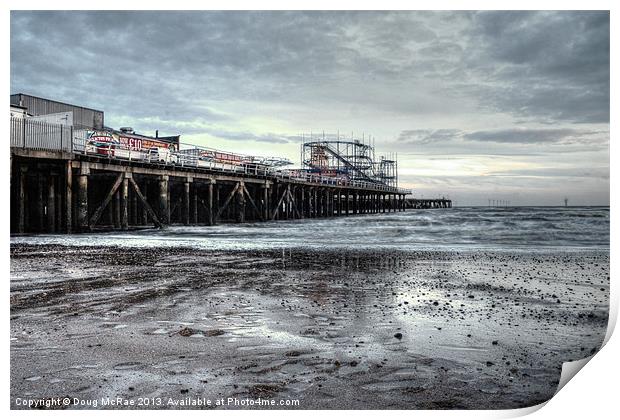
(39, 135)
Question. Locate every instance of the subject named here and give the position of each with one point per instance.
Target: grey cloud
(247, 136)
(516, 135)
(543, 64)
(159, 63)
(537, 136)
(555, 172)
(199, 127)
(429, 136)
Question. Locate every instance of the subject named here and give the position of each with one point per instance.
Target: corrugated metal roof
(82, 116)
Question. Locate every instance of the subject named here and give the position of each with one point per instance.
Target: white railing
(39, 135)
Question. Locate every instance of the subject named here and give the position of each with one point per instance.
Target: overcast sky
(489, 105)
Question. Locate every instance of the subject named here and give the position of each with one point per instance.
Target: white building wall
(17, 112)
(62, 118)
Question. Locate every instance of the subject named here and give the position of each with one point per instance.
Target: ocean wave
(521, 228)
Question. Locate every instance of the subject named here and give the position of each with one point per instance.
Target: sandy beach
(306, 329)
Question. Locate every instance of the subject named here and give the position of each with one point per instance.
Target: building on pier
(82, 117)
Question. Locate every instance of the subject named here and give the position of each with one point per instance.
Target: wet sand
(333, 330)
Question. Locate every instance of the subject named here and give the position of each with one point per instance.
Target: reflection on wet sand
(334, 329)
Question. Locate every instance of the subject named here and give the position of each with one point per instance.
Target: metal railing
(38, 135)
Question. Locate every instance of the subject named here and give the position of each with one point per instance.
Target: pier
(60, 183)
(428, 203)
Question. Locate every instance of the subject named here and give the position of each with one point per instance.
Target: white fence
(39, 135)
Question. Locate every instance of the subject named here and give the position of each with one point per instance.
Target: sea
(527, 229)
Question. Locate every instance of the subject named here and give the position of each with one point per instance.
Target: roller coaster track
(359, 174)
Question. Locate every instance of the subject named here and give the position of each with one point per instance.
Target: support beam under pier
(82, 197)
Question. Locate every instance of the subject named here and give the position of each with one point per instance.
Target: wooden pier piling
(428, 203)
(82, 197)
(62, 192)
